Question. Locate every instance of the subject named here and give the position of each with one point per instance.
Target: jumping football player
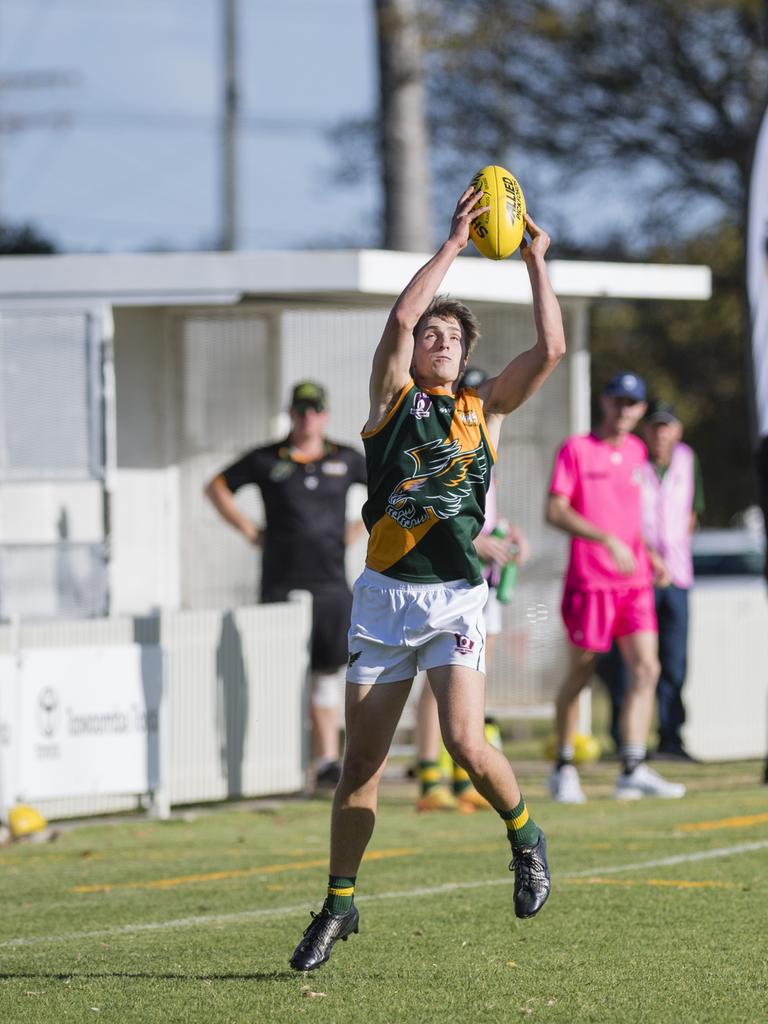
(418, 603)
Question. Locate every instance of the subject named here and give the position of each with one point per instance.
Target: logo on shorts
(463, 644)
(422, 405)
(353, 656)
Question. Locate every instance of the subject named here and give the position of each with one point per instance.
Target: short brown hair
(442, 306)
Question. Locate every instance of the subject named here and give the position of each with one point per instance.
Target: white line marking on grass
(664, 862)
(435, 890)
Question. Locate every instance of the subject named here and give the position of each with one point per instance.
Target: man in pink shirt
(594, 495)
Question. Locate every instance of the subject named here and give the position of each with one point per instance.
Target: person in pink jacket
(672, 502)
(595, 496)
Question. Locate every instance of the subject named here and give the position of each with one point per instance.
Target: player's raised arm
(394, 353)
(527, 372)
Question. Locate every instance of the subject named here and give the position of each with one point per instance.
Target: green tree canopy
(656, 100)
(692, 354)
(23, 239)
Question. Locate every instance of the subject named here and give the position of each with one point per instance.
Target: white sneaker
(564, 786)
(644, 781)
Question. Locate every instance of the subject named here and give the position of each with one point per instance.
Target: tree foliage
(657, 99)
(652, 106)
(641, 116)
(692, 354)
(23, 239)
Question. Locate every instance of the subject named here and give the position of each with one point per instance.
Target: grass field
(659, 913)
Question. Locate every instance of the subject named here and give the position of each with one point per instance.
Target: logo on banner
(48, 712)
(422, 405)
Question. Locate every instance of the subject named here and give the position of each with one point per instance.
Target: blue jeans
(672, 613)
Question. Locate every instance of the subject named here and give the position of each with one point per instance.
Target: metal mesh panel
(334, 348)
(50, 434)
(62, 580)
(235, 374)
(529, 660)
(225, 406)
(48, 398)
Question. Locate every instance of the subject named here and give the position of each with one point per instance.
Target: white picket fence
(232, 720)
(726, 692)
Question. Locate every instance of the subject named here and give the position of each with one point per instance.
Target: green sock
(341, 893)
(429, 775)
(521, 828)
(461, 780)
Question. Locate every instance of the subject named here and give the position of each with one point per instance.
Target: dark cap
(662, 412)
(626, 385)
(473, 377)
(307, 394)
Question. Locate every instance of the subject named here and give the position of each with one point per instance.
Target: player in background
(418, 603)
(594, 496)
(304, 481)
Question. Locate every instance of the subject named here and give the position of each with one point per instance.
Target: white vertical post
(160, 802)
(304, 598)
(580, 400)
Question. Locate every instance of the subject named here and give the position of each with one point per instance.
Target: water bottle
(508, 576)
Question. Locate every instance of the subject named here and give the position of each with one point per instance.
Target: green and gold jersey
(429, 465)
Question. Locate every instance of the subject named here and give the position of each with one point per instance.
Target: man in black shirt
(304, 482)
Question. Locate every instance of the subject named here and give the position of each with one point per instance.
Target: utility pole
(229, 130)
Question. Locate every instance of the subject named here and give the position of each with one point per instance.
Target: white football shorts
(399, 629)
(492, 613)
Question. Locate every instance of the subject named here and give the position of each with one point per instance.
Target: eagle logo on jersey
(442, 478)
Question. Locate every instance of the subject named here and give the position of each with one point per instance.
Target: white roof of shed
(150, 279)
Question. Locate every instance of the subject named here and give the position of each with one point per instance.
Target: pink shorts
(594, 617)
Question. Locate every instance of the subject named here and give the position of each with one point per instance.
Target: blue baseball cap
(626, 385)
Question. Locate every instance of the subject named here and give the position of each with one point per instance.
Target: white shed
(128, 380)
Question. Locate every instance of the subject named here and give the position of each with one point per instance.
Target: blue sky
(136, 164)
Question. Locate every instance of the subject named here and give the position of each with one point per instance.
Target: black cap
(306, 394)
(662, 412)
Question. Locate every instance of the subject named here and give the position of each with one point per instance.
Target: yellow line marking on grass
(239, 917)
(219, 876)
(707, 826)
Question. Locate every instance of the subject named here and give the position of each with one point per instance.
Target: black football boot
(532, 882)
(317, 943)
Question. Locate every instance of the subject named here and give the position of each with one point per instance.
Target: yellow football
(24, 821)
(498, 232)
(586, 748)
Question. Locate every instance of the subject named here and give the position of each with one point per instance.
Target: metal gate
(53, 508)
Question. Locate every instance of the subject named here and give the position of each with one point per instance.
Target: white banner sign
(8, 729)
(86, 722)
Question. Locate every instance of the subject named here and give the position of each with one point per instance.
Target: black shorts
(331, 613)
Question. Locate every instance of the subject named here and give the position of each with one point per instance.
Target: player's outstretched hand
(466, 211)
(538, 243)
